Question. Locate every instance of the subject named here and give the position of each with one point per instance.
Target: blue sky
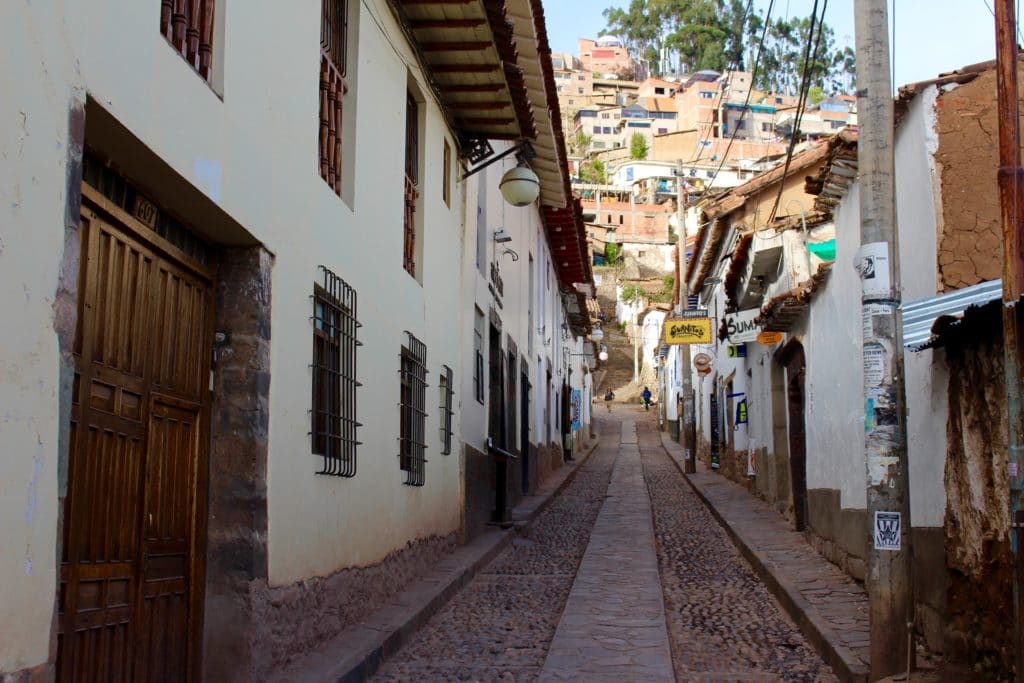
(932, 36)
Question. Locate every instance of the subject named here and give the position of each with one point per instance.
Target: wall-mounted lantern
(520, 186)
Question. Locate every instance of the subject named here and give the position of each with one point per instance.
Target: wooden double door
(131, 575)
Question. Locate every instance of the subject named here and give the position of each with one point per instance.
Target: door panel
(170, 482)
(797, 438)
(126, 608)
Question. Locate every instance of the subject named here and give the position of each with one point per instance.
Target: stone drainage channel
(576, 596)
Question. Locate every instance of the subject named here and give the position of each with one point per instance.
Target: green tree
(593, 171)
(580, 143)
(690, 35)
(638, 146)
(815, 94)
(611, 253)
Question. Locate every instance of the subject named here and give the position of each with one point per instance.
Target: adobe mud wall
(969, 245)
(977, 523)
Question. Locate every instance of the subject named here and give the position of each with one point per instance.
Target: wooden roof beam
(471, 87)
(481, 106)
(421, 3)
(464, 68)
(424, 24)
(487, 121)
(457, 46)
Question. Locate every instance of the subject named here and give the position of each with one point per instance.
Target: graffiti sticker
(887, 530)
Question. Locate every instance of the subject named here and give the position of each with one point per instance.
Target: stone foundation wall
(236, 553)
(479, 491)
(930, 586)
(43, 673)
(839, 534)
(771, 482)
(549, 459)
(533, 453)
(296, 619)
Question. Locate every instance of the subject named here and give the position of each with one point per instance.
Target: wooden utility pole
(888, 582)
(687, 427)
(1011, 201)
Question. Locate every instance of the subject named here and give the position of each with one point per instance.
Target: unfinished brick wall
(969, 241)
(633, 223)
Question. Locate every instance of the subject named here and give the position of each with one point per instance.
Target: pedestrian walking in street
(646, 396)
(609, 395)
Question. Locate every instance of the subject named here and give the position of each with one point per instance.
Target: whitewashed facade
(208, 175)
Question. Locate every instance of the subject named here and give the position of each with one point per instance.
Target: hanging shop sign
(769, 338)
(739, 351)
(576, 408)
(702, 363)
(741, 328)
(741, 412)
(688, 330)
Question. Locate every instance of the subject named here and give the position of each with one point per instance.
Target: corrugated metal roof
(919, 316)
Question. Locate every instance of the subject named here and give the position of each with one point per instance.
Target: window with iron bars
(333, 87)
(412, 435)
(333, 416)
(412, 162)
(188, 26)
(447, 394)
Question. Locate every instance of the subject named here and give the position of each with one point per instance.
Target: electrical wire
(728, 85)
(993, 13)
(892, 51)
(746, 102)
(810, 59)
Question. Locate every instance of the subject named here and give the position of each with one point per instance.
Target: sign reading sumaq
(688, 331)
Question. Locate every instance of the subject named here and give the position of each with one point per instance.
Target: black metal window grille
(333, 416)
(447, 394)
(412, 436)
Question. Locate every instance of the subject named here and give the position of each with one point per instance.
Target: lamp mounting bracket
(523, 150)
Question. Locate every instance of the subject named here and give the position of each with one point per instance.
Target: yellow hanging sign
(688, 331)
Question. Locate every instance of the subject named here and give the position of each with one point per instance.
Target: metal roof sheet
(919, 316)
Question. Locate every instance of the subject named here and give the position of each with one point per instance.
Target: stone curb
(356, 654)
(811, 623)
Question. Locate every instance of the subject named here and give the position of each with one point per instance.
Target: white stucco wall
(39, 84)
(543, 343)
(831, 335)
(918, 202)
(253, 153)
(836, 428)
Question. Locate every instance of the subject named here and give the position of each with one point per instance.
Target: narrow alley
(626, 576)
(511, 340)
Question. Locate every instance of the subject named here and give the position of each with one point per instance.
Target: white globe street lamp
(520, 186)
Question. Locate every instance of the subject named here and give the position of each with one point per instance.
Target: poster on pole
(887, 530)
(873, 265)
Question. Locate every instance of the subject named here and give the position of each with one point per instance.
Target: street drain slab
(613, 627)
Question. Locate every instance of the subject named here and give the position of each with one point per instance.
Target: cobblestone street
(724, 624)
(720, 621)
(500, 626)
